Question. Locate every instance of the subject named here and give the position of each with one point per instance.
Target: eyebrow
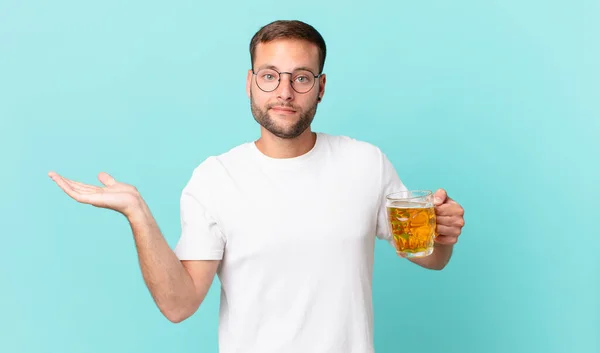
(273, 67)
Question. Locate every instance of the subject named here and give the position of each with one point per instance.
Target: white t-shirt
(296, 238)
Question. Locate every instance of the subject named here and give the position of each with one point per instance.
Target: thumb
(106, 179)
(439, 197)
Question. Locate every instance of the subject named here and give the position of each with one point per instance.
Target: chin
(287, 131)
(285, 119)
(286, 135)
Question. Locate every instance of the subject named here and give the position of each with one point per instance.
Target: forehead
(287, 54)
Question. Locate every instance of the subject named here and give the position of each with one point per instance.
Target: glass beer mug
(411, 221)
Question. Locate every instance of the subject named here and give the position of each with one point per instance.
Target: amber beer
(411, 218)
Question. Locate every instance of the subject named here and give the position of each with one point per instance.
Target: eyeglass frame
(291, 82)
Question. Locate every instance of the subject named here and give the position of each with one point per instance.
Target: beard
(285, 132)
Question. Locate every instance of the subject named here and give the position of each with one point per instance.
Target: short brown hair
(285, 29)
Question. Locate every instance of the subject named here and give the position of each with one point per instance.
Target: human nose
(285, 90)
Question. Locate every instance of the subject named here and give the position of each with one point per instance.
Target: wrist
(443, 251)
(137, 212)
(443, 246)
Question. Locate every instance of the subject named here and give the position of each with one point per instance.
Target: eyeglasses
(268, 79)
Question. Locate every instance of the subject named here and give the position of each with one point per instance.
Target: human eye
(303, 77)
(268, 75)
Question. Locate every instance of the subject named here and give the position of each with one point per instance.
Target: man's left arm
(449, 223)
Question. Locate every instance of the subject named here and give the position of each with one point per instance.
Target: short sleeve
(390, 183)
(201, 237)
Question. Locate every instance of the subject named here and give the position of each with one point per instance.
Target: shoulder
(359, 150)
(214, 167)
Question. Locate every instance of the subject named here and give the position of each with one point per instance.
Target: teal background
(498, 102)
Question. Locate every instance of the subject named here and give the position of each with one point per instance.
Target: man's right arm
(177, 287)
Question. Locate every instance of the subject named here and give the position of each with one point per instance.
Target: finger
(447, 230)
(449, 209)
(74, 184)
(81, 187)
(446, 240)
(83, 196)
(451, 200)
(65, 186)
(452, 221)
(439, 197)
(61, 182)
(106, 179)
(95, 199)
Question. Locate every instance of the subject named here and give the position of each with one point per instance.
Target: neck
(276, 147)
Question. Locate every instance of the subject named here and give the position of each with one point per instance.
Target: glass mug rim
(422, 194)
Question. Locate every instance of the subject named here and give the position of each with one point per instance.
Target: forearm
(437, 260)
(170, 284)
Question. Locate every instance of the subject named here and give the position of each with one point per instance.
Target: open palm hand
(114, 195)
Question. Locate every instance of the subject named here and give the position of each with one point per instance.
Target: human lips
(284, 110)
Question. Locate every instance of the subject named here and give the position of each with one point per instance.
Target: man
(287, 222)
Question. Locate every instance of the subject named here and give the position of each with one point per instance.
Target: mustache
(283, 105)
